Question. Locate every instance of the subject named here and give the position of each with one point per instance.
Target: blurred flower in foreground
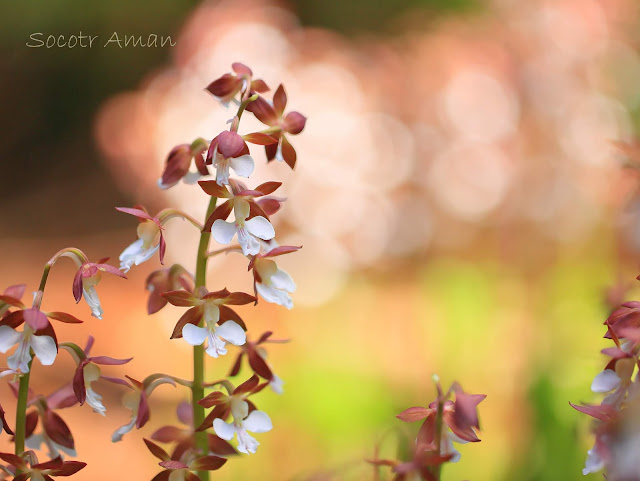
(445, 422)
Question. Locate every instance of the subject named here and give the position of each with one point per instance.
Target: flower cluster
(616, 427)
(239, 219)
(39, 425)
(210, 323)
(444, 421)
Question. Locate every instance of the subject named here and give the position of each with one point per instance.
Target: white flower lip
(248, 233)
(216, 336)
(256, 422)
(136, 254)
(605, 381)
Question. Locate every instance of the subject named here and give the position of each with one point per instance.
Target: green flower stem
(23, 389)
(21, 411)
(197, 389)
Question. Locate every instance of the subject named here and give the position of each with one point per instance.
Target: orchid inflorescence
(617, 418)
(210, 322)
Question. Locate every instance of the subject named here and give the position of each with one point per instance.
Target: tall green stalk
(197, 389)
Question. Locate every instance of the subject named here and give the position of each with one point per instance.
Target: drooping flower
(137, 400)
(269, 281)
(229, 151)
(87, 277)
(272, 115)
(240, 81)
(149, 229)
(178, 162)
(87, 372)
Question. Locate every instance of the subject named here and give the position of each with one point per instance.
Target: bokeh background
(461, 206)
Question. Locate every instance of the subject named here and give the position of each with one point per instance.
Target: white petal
(191, 177)
(605, 381)
(282, 280)
(275, 296)
(279, 151)
(145, 255)
(95, 401)
(223, 231)
(224, 430)
(593, 463)
(257, 422)
(260, 227)
(276, 385)
(246, 443)
(455, 438)
(20, 359)
(34, 441)
(243, 165)
(132, 250)
(250, 245)
(9, 337)
(232, 332)
(165, 186)
(122, 430)
(45, 349)
(194, 335)
(136, 254)
(91, 296)
(58, 447)
(215, 345)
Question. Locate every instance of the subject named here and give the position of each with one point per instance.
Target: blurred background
(461, 206)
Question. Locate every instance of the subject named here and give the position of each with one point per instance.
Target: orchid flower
(240, 81)
(272, 115)
(85, 280)
(210, 308)
(179, 161)
(248, 230)
(143, 248)
(243, 423)
(43, 346)
(272, 283)
(229, 151)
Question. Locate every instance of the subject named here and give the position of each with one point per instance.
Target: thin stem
(167, 214)
(23, 390)
(197, 389)
(243, 106)
(21, 411)
(230, 248)
(437, 470)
